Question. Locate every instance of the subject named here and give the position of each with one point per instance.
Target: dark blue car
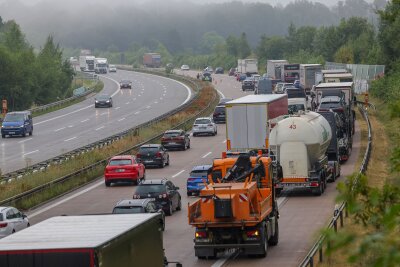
(195, 182)
(17, 123)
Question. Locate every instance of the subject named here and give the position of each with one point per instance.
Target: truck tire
(318, 191)
(278, 191)
(264, 244)
(273, 241)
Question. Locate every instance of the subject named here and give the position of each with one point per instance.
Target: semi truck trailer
(247, 66)
(152, 60)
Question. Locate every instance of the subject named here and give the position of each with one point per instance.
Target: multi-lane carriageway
(302, 215)
(64, 130)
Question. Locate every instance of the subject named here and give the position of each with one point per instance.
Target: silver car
(11, 221)
(204, 125)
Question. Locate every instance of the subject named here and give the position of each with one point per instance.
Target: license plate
(295, 184)
(200, 184)
(172, 143)
(148, 161)
(120, 170)
(11, 132)
(203, 127)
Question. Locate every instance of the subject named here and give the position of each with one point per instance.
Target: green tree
(209, 41)
(244, 47)
(345, 55)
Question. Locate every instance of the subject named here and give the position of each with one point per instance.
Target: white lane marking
(66, 199)
(224, 141)
(100, 128)
(70, 126)
(28, 153)
(104, 113)
(127, 103)
(61, 116)
(23, 141)
(134, 99)
(118, 90)
(69, 139)
(176, 174)
(148, 107)
(220, 93)
(137, 112)
(117, 108)
(161, 98)
(121, 119)
(85, 120)
(155, 102)
(59, 129)
(206, 155)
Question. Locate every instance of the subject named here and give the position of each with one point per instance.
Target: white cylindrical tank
(309, 128)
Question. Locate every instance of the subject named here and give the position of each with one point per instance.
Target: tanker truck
(237, 209)
(299, 143)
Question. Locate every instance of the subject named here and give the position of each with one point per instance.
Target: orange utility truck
(237, 209)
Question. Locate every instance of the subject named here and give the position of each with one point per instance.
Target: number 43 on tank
(292, 126)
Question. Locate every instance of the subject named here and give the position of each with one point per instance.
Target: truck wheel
(319, 190)
(273, 241)
(264, 244)
(278, 191)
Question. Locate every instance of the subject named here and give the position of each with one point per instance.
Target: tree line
(27, 77)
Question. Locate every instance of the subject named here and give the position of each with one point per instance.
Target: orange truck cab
(237, 208)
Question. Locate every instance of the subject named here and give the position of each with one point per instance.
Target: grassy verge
(383, 135)
(206, 95)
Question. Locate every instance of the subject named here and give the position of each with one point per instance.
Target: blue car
(195, 182)
(17, 123)
(296, 83)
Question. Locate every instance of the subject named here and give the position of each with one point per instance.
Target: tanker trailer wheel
(318, 191)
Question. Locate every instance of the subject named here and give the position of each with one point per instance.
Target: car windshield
(103, 97)
(14, 117)
(128, 209)
(148, 149)
(329, 105)
(120, 162)
(172, 134)
(199, 173)
(150, 188)
(125, 81)
(220, 109)
(202, 121)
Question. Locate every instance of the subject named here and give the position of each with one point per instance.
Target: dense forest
(26, 77)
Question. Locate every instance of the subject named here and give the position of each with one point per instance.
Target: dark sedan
(178, 139)
(153, 155)
(103, 101)
(125, 84)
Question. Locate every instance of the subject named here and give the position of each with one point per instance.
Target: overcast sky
(272, 2)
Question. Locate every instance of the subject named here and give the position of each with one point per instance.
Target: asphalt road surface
(302, 215)
(80, 124)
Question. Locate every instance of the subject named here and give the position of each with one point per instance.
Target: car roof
(150, 145)
(154, 181)
(122, 157)
(201, 118)
(19, 112)
(201, 167)
(4, 208)
(133, 202)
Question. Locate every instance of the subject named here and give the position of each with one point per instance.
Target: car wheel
(3, 136)
(162, 165)
(107, 183)
(169, 211)
(31, 132)
(188, 145)
(184, 147)
(179, 205)
(194, 135)
(144, 176)
(189, 194)
(28, 225)
(167, 161)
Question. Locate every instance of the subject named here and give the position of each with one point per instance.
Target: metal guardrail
(207, 110)
(341, 209)
(62, 102)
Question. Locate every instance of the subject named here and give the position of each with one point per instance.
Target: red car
(124, 169)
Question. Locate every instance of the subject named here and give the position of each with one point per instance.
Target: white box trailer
(247, 120)
(248, 66)
(272, 71)
(113, 240)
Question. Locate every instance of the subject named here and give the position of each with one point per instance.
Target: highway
(301, 214)
(80, 124)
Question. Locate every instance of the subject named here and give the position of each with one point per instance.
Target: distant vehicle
(175, 139)
(153, 155)
(232, 71)
(11, 221)
(279, 87)
(17, 123)
(125, 84)
(204, 125)
(249, 66)
(209, 69)
(333, 103)
(241, 77)
(308, 75)
(274, 68)
(112, 68)
(185, 67)
(206, 76)
(152, 60)
(256, 78)
(264, 87)
(164, 192)
(86, 63)
(196, 179)
(297, 104)
(100, 65)
(124, 168)
(248, 84)
(103, 100)
(219, 70)
(219, 114)
(294, 92)
(290, 72)
(137, 206)
(296, 83)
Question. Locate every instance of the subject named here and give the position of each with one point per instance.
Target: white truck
(111, 240)
(247, 120)
(86, 63)
(308, 76)
(299, 143)
(101, 65)
(248, 66)
(274, 68)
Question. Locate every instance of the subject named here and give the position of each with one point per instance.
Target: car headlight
(108, 101)
(21, 126)
(96, 101)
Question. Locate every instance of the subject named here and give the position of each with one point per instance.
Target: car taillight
(158, 154)
(201, 234)
(138, 155)
(163, 138)
(252, 233)
(191, 179)
(209, 125)
(195, 125)
(162, 195)
(314, 184)
(180, 137)
(2, 225)
(136, 196)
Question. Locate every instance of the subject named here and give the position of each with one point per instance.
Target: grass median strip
(207, 98)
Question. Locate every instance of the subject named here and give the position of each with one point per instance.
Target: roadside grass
(206, 95)
(384, 133)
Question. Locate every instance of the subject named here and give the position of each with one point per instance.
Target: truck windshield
(127, 210)
(14, 117)
(295, 108)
